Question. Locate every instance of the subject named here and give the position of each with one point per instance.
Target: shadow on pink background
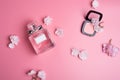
(57, 62)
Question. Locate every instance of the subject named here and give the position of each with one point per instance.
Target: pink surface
(57, 62)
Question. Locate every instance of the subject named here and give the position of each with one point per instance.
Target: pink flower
(110, 49)
(113, 50)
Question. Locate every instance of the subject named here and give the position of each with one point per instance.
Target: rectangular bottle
(40, 39)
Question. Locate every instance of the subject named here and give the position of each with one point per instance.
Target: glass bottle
(39, 38)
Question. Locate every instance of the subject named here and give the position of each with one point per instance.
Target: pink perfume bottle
(39, 38)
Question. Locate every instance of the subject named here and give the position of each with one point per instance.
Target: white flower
(75, 52)
(96, 24)
(59, 32)
(42, 75)
(95, 21)
(95, 3)
(11, 45)
(47, 20)
(14, 39)
(98, 29)
(32, 72)
(83, 55)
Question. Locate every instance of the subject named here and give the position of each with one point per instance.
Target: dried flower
(95, 4)
(31, 72)
(59, 32)
(83, 55)
(42, 75)
(110, 49)
(47, 20)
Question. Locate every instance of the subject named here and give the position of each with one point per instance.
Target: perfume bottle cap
(33, 28)
(39, 27)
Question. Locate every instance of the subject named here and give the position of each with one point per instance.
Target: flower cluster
(37, 74)
(110, 49)
(80, 54)
(14, 41)
(97, 25)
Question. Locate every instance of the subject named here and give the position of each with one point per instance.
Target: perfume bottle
(39, 38)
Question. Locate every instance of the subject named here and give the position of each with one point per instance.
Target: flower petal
(59, 32)
(98, 29)
(95, 3)
(42, 75)
(14, 39)
(11, 45)
(32, 72)
(83, 55)
(75, 52)
(47, 20)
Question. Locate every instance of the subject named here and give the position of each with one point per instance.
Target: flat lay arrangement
(57, 46)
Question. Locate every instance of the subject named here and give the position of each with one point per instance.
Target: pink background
(57, 62)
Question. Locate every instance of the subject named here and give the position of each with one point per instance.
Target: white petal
(83, 55)
(47, 20)
(59, 32)
(95, 3)
(42, 75)
(32, 72)
(98, 29)
(11, 45)
(14, 39)
(75, 52)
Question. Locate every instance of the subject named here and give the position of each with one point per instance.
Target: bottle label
(40, 38)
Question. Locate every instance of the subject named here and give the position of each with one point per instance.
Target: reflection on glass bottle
(39, 38)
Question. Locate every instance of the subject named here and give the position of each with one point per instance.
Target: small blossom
(83, 55)
(95, 4)
(104, 47)
(47, 20)
(75, 52)
(14, 39)
(98, 29)
(96, 23)
(42, 75)
(32, 72)
(59, 32)
(11, 45)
